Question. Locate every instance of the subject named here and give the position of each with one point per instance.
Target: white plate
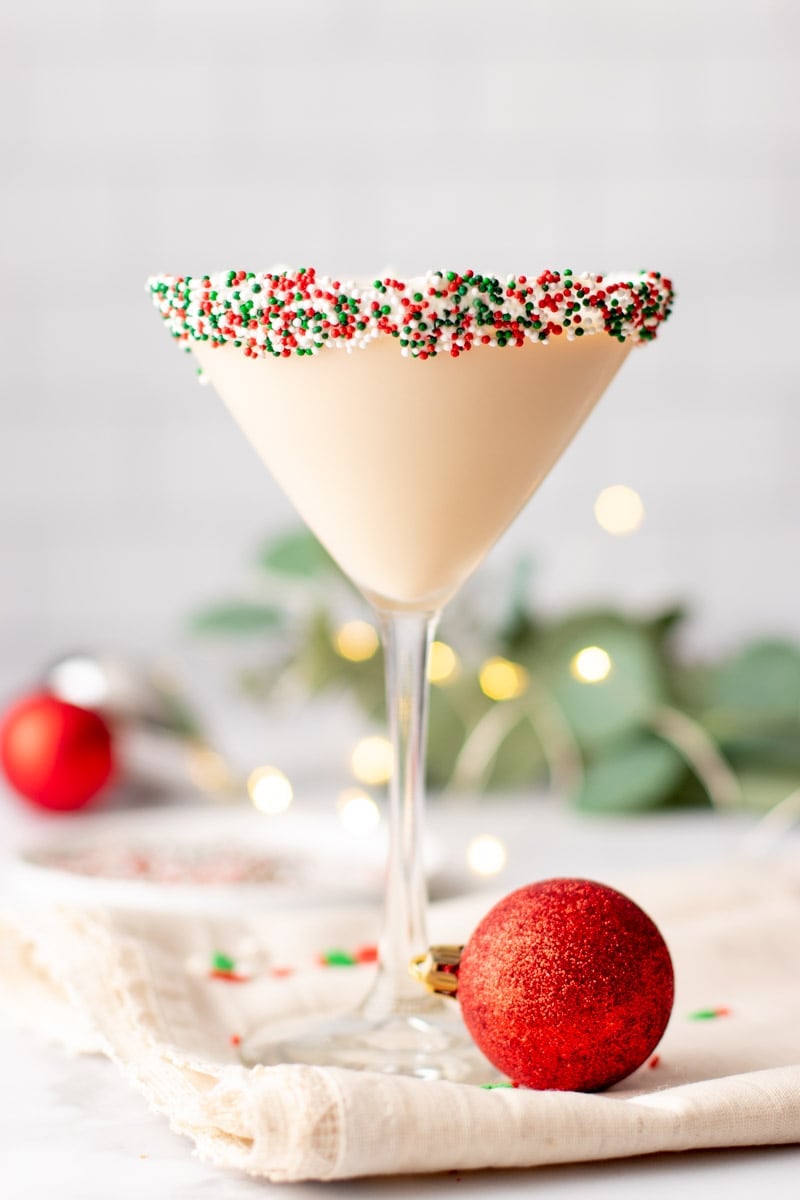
(287, 861)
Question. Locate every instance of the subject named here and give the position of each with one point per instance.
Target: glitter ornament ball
(567, 985)
(54, 754)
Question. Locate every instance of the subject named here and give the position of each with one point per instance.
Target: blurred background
(186, 137)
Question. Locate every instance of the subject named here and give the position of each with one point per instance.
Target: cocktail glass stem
(406, 638)
(399, 1028)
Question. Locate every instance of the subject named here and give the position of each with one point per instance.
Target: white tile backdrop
(145, 135)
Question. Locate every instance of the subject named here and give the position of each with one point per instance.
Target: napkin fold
(142, 988)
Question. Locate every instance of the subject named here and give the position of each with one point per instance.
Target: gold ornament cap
(438, 969)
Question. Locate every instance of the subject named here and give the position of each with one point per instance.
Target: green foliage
(298, 555)
(640, 771)
(623, 701)
(653, 731)
(761, 682)
(238, 618)
(519, 759)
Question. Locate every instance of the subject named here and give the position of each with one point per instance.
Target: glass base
(429, 1045)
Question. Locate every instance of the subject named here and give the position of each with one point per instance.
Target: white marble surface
(74, 1129)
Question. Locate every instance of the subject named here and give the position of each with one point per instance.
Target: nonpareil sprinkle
(709, 1014)
(297, 312)
(222, 962)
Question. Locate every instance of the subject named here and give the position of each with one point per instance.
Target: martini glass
(407, 457)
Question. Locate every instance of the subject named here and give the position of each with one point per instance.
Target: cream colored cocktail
(409, 471)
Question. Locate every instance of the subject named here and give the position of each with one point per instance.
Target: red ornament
(566, 984)
(54, 754)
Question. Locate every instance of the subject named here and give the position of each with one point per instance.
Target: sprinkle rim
(287, 312)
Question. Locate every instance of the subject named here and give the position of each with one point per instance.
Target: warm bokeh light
(502, 680)
(591, 665)
(80, 681)
(443, 664)
(373, 760)
(619, 510)
(357, 811)
(356, 641)
(207, 769)
(270, 790)
(486, 854)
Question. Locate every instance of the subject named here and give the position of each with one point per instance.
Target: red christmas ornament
(565, 984)
(54, 754)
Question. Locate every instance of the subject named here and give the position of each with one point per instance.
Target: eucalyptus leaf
(519, 626)
(317, 661)
(298, 555)
(238, 617)
(520, 761)
(177, 716)
(689, 685)
(662, 626)
(640, 772)
(619, 703)
(778, 746)
(762, 681)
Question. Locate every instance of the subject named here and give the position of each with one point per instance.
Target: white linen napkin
(137, 987)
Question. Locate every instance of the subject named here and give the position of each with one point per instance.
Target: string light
(356, 641)
(443, 664)
(486, 854)
(502, 680)
(357, 811)
(619, 510)
(207, 769)
(373, 760)
(591, 665)
(270, 790)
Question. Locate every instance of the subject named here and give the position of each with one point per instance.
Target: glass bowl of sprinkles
(185, 860)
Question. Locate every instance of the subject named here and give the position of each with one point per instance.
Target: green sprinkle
(708, 1014)
(222, 962)
(338, 958)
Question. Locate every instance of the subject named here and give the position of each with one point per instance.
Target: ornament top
(287, 312)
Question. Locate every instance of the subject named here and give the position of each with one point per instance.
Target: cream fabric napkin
(135, 987)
